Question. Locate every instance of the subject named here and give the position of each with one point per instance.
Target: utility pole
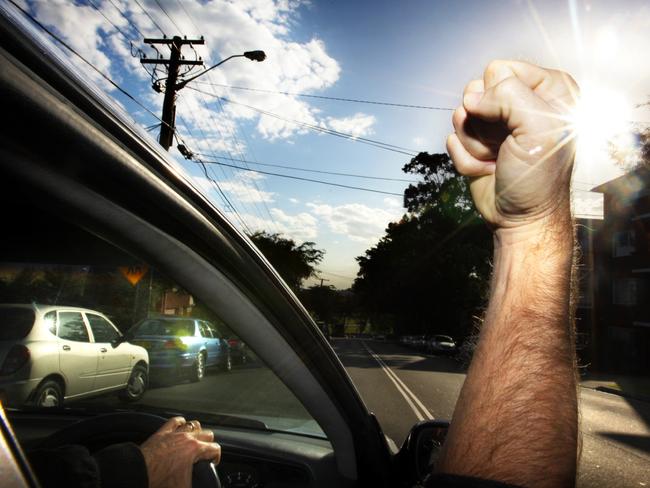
(321, 281)
(175, 61)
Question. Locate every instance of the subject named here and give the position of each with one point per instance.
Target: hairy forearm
(516, 418)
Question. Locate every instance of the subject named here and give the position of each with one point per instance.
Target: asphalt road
(402, 386)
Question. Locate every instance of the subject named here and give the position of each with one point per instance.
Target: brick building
(621, 336)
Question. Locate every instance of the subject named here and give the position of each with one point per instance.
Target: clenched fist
(515, 142)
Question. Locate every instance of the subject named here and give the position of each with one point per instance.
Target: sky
(406, 52)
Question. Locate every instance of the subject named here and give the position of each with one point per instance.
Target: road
(402, 386)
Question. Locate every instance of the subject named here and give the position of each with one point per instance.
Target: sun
(601, 120)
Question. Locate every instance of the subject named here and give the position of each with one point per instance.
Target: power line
(150, 17)
(332, 132)
(127, 19)
(216, 184)
(167, 15)
(305, 179)
(323, 97)
(92, 66)
(295, 168)
(123, 91)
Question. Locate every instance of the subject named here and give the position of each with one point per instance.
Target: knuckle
(494, 68)
(458, 117)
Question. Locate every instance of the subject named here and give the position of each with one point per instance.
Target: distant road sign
(133, 273)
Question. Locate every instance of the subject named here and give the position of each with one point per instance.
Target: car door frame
(120, 359)
(182, 234)
(84, 352)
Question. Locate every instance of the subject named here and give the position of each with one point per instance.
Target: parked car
(181, 346)
(52, 354)
(239, 352)
(441, 344)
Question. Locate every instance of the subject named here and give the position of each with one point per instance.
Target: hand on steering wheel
(166, 442)
(171, 452)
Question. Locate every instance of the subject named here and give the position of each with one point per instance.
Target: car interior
(82, 188)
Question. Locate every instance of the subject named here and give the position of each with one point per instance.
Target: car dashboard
(250, 458)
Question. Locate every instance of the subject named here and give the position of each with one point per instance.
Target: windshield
(329, 152)
(15, 323)
(164, 327)
(93, 318)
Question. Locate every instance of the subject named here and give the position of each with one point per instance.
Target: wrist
(553, 232)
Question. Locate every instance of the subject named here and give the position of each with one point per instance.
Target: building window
(625, 291)
(623, 244)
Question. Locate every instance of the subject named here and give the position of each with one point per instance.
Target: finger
(171, 425)
(208, 451)
(474, 86)
(553, 86)
(474, 135)
(465, 163)
(513, 103)
(204, 435)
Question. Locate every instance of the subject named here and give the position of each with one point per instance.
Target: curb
(614, 391)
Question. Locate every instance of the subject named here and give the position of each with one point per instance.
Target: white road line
(404, 390)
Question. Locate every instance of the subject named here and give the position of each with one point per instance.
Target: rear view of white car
(51, 354)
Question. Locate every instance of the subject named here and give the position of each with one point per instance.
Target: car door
(212, 344)
(113, 363)
(77, 355)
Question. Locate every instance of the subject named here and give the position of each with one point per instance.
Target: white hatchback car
(50, 354)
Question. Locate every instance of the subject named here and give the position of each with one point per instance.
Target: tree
(429, 272)
(294, 263)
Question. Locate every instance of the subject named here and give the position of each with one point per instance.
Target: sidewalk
(636, 387)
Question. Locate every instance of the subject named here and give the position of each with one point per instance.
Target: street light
(258, 56)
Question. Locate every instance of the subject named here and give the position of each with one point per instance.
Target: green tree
(295, 263)
(429, 272)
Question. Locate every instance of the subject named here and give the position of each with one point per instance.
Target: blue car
(181, 346)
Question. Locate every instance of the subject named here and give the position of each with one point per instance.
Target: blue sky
(412, 52)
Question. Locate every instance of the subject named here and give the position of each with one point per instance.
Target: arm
(516, 418)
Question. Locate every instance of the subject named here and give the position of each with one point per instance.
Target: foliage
(429, 273)
(294, 263)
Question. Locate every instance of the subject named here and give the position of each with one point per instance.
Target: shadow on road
(640, 442)
(353, 355)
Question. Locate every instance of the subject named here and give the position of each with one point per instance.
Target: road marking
(404, 390)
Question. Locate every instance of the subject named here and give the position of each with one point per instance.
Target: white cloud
(392, 202)
(229, 28)
(294, 200)
(240, 190)
(358, 125)
(355, 220)
(300, 227)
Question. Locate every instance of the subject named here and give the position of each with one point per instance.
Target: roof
(627, 184)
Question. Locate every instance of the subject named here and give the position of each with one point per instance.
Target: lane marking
(409, 396)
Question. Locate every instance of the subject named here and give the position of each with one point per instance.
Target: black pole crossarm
(169, 40)
(166, 61)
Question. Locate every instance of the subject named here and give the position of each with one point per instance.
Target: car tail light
(233, 342)
(16, 358)
(175, 343)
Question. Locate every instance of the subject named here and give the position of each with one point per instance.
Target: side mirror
(421, 448)
(120, 339)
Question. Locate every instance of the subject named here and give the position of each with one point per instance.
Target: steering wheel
(100, 431)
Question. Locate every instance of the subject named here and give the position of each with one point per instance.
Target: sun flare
(601, 120)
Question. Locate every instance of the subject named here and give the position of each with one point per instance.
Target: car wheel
(227, 364)
(49, 394)
(136, 386)
(199, 368)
